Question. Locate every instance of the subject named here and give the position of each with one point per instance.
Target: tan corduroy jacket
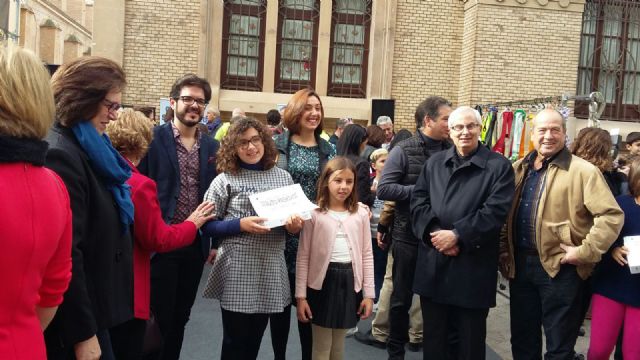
(576, 208)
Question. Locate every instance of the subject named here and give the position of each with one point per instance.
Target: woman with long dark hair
(350, 144)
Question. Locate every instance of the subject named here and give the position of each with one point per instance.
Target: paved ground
(203, 336)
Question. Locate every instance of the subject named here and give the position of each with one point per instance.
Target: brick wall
(513, 53)
(160, 45)
(427, 54)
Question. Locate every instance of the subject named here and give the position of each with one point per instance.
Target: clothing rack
(534, 101)
(596, 104)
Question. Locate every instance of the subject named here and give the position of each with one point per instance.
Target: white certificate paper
(278, 204)
(632, 243)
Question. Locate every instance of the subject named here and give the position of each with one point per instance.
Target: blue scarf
(112, 169)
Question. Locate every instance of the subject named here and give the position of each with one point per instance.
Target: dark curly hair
(80, 85)
(228, 160)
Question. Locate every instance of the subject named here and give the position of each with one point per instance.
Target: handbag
(153, 340)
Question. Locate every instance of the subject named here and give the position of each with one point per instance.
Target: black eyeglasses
(111, 106)
(188, 100)
(244, 144)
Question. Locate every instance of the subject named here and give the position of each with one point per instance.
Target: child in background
(378, 158)
(616, 291)
(335, 262)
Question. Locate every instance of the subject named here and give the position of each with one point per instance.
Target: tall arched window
(296, 45)
(350, 23)
(243, 44)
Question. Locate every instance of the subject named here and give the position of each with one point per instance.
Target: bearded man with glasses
(458, 206)
(182, 162)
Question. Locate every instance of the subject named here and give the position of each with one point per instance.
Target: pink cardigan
(316, 245)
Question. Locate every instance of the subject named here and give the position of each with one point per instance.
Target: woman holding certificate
(303, 154)
(249, 274)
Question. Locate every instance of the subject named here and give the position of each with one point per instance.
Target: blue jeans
(540, 300)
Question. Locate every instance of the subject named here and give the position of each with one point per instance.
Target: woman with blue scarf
(87, 93)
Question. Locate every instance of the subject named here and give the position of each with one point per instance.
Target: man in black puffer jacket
(401, 171)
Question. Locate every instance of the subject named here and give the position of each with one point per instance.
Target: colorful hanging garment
(503, 143)
(526, 145)
(518, 129)
(497, 128)
(486, 120)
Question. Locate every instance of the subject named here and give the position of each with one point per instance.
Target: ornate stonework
(565, 5)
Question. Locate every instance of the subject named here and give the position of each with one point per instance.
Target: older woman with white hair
(458, 207)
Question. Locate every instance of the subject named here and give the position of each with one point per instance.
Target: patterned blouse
(249, 274)
(303, 164)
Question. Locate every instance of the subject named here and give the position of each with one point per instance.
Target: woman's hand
(294, 224)
(88, 349)
(202, 214)
(303, 311)
(619, 254)
(253, 225)
(212, 256)
(365, 308)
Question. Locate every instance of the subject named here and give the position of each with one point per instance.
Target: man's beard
(181, 116)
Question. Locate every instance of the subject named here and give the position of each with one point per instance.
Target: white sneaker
(352, 331)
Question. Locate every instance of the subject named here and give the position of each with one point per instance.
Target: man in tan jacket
(562, 220)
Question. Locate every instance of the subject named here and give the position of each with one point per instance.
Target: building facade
(256, 53)
(56, 30)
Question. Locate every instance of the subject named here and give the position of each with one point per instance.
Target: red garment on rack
(507, 122)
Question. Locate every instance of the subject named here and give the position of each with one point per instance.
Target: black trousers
(279, 325)
(243, 333)
(174, 283)
(127, 339)
(404, 267)
(538, 300)
(452, 332)
(304, 329)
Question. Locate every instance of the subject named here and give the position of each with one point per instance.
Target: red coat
(151, 234)
(35, 260)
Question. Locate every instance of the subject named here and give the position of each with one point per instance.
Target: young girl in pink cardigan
(334, 270)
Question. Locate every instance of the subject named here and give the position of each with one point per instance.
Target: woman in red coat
(131, 135)
(35, 216)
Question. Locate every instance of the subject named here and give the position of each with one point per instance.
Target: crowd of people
(109, 219)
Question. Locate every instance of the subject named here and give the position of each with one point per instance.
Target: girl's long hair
(339, 163)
